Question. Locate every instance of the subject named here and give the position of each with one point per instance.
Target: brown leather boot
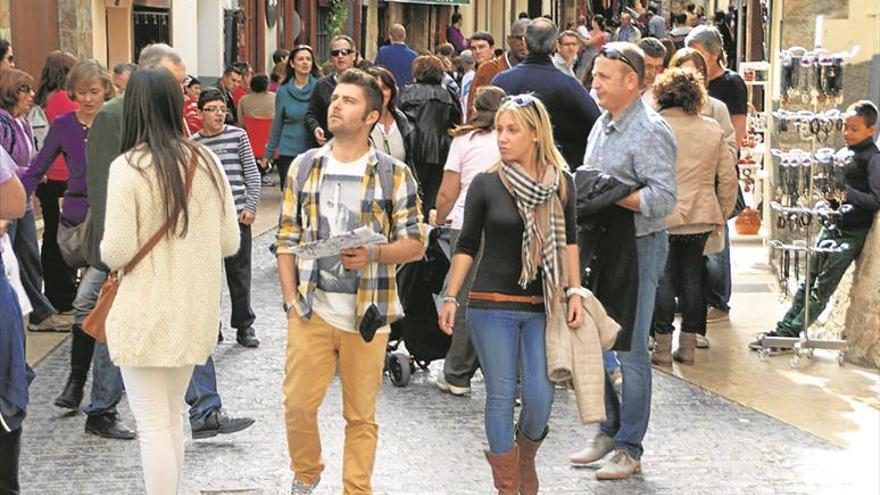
(505, 471)
(687, 342)
(662, 349)
(528, 475)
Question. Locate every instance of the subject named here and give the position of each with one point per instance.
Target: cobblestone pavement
(430, 443)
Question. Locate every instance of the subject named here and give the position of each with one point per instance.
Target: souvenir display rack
(806, 181)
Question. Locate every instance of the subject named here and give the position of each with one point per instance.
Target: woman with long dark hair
(91, 85)
(393, 133)
(52, 100)
(164, 319)
(289, 136)
(522, 210)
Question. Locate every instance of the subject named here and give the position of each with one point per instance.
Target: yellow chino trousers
(314, 348)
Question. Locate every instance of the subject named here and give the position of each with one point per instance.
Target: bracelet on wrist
(450, 299)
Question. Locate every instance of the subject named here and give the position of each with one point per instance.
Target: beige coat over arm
(166, 310)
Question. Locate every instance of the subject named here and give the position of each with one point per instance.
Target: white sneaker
(445, 386)
(620, 467)
(300, 488)
(702, 342)
(601, 445)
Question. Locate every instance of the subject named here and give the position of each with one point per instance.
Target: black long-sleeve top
(862, 185)
(491, 216)
(316, 115)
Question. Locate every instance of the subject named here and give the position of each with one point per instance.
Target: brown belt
(497, 297)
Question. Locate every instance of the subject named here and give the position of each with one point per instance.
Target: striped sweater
(234, 150)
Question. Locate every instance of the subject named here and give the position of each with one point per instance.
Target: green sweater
(104, 143)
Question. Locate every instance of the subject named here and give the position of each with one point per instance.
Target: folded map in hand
(323, 248)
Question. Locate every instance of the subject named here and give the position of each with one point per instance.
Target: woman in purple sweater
(89, 85)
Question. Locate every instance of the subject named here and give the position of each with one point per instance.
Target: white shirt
(469, 155)
(466, 83)
(339, 210)
(390, 142)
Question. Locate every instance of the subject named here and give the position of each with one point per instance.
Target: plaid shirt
(299, 220)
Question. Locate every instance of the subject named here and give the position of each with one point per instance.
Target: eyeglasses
(25, 88)
(215, 110)
(341, 53)
(523, 100)
(612, 53)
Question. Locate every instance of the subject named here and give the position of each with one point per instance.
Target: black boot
(80, 360)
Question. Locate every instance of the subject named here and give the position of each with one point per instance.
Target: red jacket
(191, 115)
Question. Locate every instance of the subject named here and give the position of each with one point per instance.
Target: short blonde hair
(89, 70)
(530, 112)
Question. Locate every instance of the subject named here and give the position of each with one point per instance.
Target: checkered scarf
(544, 234)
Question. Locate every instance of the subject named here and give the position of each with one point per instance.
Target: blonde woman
(524, 208)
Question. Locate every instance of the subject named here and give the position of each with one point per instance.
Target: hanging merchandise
(812, 77)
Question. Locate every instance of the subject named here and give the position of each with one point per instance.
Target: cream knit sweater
(167, 309)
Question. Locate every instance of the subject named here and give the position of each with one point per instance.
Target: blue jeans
(611, 362)
(718, 282)
(506, 342)
(628, 420)
(107, 386)
(23, 235)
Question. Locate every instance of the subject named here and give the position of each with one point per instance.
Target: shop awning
(434, 2)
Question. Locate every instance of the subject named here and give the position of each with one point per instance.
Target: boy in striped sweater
(232, 146)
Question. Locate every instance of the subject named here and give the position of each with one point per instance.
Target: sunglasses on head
(523, 100)
(342, 53)
(612, 53)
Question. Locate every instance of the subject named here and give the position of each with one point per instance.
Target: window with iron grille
(149, 25)
(322, 36)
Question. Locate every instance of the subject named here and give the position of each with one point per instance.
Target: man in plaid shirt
(335, 304)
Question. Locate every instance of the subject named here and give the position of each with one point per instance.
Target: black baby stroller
(417, 283)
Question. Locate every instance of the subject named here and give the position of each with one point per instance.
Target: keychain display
(812, 77)
(808, 125)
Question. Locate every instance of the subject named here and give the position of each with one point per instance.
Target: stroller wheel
(398, 366)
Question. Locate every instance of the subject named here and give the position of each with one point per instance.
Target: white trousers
(156, 397)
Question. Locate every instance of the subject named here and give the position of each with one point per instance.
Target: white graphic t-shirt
(339, 210)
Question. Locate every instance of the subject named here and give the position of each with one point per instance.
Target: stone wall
(5, 20)
(75, 27)
(856, 315)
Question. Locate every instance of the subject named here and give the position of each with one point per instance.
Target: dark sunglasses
(342, 53)
(25, 88)
(523, 100)
(612, 53)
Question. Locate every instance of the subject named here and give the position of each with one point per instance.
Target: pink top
(58, 103)
(469, 155)
(597, 33)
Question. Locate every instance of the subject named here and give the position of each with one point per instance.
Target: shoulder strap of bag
(190, 172)
(305, 167)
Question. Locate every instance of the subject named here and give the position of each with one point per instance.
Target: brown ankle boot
(662, 349)
(505, 471)
(528, 475)
(687, 342)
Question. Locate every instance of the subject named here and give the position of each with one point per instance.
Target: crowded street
(439, 247)
(700, 442)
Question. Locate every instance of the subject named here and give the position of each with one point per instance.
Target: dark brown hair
(387, 78)
(428, 69)
(152, 119)
(290, 74)
(679, 88)
(54, 74)
(488, 100)
(10, 81)
(367, 83)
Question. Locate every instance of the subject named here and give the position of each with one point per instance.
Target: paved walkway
(430, 443)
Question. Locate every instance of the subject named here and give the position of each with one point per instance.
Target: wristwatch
(287, 306)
